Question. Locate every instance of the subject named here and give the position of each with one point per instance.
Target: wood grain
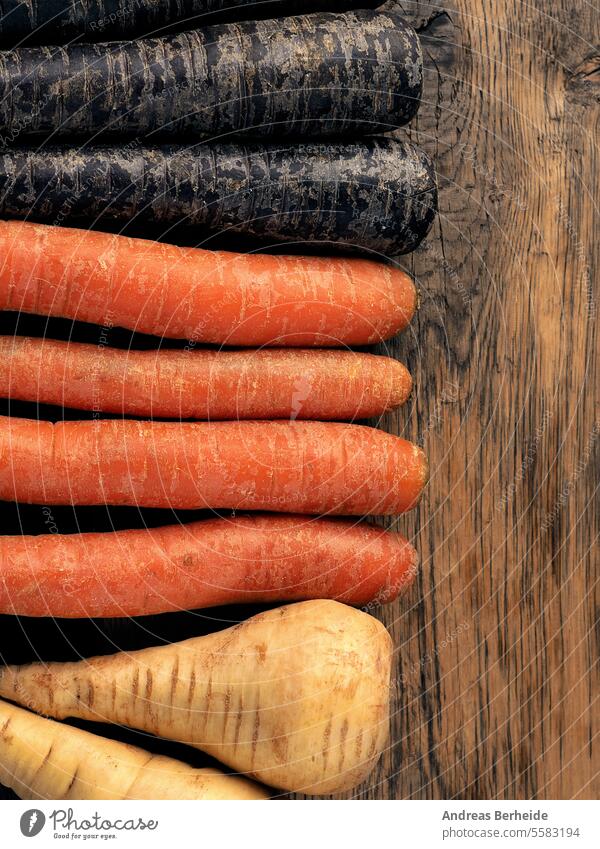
(496, 652)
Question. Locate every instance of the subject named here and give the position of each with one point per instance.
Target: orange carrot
(203, 296)
(264, 384)
(218, 561)
(289, 467)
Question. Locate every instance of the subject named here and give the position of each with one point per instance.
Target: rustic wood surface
(495, 647)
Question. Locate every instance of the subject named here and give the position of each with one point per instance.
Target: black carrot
(379, 195)
(60, 21)
(311, 75)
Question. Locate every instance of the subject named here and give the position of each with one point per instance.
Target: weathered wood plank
(495, 647)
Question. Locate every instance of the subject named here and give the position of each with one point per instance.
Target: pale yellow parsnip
(43, 759)
(297, 697)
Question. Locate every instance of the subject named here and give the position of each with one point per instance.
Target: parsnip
(42, 759)
(297, 697)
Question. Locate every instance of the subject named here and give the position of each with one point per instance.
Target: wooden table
(495, 647)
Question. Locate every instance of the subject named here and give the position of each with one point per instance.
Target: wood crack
(583, 84)
(589, 69)
(435, 16)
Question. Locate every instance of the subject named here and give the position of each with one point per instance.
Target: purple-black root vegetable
(312, 75)
(378, 195)
(60, 21)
